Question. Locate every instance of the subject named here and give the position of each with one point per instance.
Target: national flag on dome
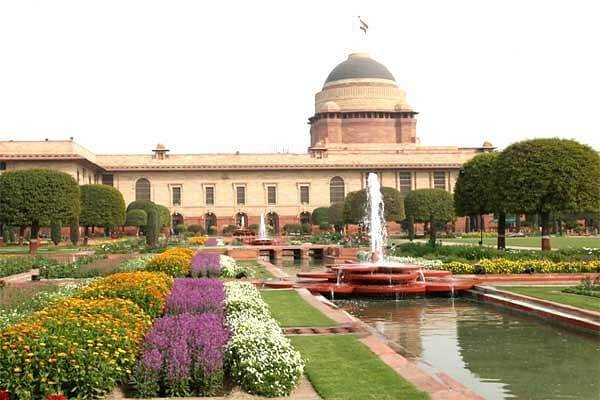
(363, 25)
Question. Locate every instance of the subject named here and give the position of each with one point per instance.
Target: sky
(121, 76)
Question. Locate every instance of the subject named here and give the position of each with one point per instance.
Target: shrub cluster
(587, 287)
(53, 269)
(11, 265)
(148, 290)
(134, 264)
(173, 262)
(80, 347)
(259, 357)
(183, 352)
(475, 253)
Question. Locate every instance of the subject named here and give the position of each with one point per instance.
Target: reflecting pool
(498, 354)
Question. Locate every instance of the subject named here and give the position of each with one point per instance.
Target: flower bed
(146, 289)
(258, 357)
(81, 347)
(197, 240)
(206, 264)
(174, 262)
(196, 296)
(505, 266)
(183, 352)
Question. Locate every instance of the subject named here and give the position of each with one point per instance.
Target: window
(240, 194)
(273, 221)
(142, 189)
(405, 180)
(337, 190)
(2, 166)
(271, 195)
(210, 219)
(176, 194)
(241, 220)
(108, 179)
(439, 180)
(209, 195)
(304, 195)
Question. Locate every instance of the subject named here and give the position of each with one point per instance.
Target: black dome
(359, 66)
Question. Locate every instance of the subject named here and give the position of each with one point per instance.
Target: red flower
(56, 397)
(4, 395)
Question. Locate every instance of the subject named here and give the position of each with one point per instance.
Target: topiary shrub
(229, 229)
(292, 229)
(55, 230)
(74, 231)
(137, 218)
(152, 228)
(306, 229)
(180, 229)
(196, 229)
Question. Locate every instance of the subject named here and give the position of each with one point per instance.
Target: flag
(363, 25)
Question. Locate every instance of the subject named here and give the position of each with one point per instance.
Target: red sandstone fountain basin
(381, 277)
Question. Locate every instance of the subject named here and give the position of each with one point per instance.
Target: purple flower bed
(196, 296)
(206, 264)
(211, 242)
(183, 351)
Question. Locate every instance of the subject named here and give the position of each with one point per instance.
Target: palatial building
(362, 123)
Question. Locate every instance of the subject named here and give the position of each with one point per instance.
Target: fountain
(263, 238)
(380, 277)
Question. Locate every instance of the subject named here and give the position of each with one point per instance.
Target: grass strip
(554, 293)
(341, 367)
(260, 272)
(290, 309)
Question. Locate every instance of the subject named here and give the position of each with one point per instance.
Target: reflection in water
(498, 354)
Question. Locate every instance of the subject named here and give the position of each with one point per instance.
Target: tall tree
(432, 206)
(550, 175)
(152, 228)
(35, 197)
(475, 189)
(320, 216)
(101, 205)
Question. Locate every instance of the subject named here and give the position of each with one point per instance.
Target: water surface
(498, 354)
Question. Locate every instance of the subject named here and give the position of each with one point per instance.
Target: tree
(542, 176)
(101, 205)
(55, 232)
(35, 197)
(74, 231)
(163, 212)
(152, 228)
(475, 189)
(355, 206)
(432, 206)
(335, 216)
(320, 216)
(137, 218)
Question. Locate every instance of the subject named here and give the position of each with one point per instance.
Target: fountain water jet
(379, 277)
(263, 237)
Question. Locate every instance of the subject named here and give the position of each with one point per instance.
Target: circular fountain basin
(317, 275)
(454, 285)
(381, 277)
(430, 273)
(392, 289)
(279, 284)
(355, 268)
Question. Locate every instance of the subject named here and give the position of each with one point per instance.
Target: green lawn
(289, 309)
(341, 367)
(554, 294)
(558, 242)
(260, 272)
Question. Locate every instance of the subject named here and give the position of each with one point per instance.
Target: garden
(176, 323)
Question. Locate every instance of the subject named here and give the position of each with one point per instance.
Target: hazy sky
(205, 76)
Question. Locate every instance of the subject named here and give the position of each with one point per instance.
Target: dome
(329, 106)
(359, 66)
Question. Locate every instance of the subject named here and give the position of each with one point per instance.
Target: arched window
(210, 219)
(241, 220)
(177, 219)
(337, 190)
(305, 217)
(273, 221)
(142, 189)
